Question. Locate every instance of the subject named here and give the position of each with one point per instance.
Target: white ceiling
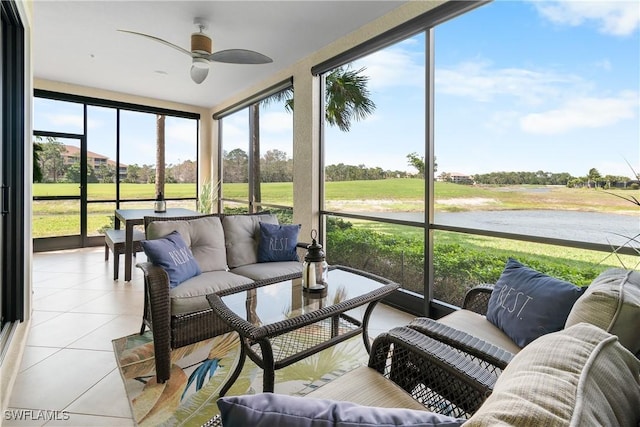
(77, 42)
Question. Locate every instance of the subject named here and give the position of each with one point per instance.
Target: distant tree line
(276, 166)
(516, 178)
(50, 166)
(592, 179)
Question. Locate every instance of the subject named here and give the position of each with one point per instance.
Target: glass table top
(285, 300)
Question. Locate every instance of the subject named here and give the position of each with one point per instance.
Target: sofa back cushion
(242, 235)
(204, 236)
(612, 302)
(580, 376)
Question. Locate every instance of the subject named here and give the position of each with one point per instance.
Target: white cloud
(582, 112)
(615, 17)
(181, 132)
(277, 122)
(394, 66)
(74, 120)
(604, 64)
(482, 82)
(501, 122)
(72, 123)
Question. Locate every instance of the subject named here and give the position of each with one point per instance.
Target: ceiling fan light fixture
(200, 63)
(199, 69)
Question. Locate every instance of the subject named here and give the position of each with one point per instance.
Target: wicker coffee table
(280, 324)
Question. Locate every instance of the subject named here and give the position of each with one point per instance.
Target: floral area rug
(198, 372)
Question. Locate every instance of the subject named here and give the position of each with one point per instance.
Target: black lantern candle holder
(314, 267)
(160, 205)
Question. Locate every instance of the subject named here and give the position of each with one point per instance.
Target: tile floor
(68, 363)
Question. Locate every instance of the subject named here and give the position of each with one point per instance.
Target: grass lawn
(52, 218)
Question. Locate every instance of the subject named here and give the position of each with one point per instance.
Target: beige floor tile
(68, 299)
(39, 293)
(38, 317)
(83, 420)
(106, 398)
(33, 355)
(62, 279)
(60, 379)
(100, 339)
(131, 302)
(21, 417)
(107, 283)
(66, 328)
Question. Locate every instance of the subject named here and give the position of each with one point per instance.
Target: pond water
(589, 227)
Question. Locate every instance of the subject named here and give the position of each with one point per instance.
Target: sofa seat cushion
(612, 302)
(268, 270)
(478, 326)
(580, 376)
(365, 386)
(242, 236)
(203, 235)
(191, 295)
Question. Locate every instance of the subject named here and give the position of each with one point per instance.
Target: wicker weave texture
(439, 376)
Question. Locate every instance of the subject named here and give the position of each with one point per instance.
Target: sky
(519, 86)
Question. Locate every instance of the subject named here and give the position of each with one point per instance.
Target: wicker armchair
(409, 369)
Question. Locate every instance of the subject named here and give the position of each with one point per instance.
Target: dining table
(133, 217)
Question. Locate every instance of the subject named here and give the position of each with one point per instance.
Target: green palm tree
(347, 99)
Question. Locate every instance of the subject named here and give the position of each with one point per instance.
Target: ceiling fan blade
(164, 42)
(239, 56)
(199, 73)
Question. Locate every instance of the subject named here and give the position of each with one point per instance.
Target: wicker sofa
(580, 376)
(225, 248)
(469, 371)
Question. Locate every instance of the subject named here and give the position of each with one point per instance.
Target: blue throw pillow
(270, 409)
(278, 242)
(526, 304)
(174, 256)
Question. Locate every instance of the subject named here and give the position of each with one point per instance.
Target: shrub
(457, 266)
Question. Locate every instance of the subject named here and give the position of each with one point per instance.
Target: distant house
(455, 177)
(71, 155)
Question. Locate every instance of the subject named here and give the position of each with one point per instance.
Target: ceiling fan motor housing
(201, 43)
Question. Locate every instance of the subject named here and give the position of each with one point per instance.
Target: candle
(312, 276)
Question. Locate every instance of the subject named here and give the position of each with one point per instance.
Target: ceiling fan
(201, 52)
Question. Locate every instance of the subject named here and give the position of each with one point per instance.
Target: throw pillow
(270, 409)
(526, 304)
(174, 256)
(241, 234)
(612, 302)
(278, 242)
